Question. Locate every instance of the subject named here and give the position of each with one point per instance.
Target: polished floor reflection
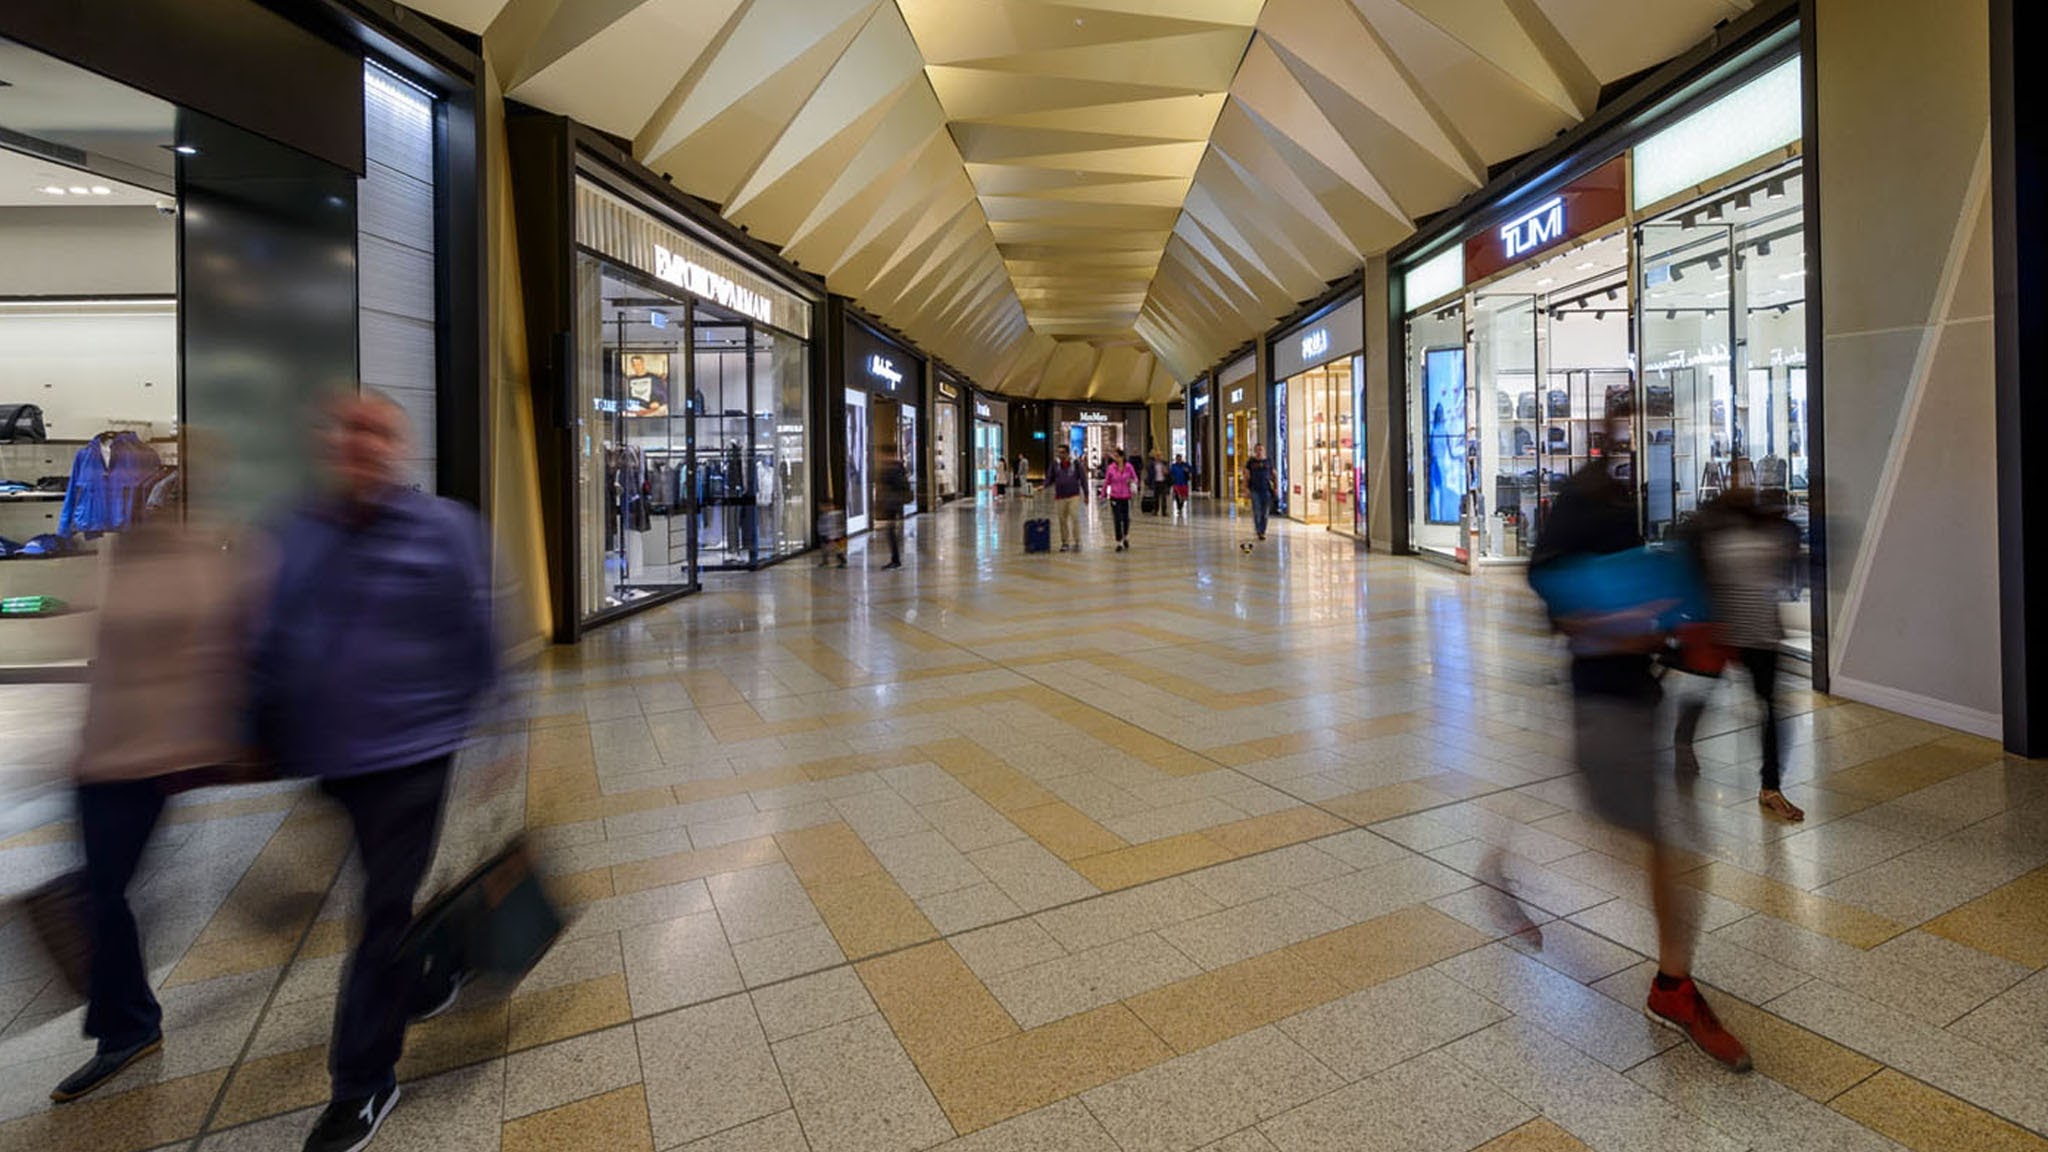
(1152, 851)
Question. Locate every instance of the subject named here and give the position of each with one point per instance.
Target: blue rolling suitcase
(1038, 535)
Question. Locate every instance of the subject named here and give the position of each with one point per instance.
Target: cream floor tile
(856, 1091)
(1521, 877)
(780, 957)
(677, 962)
(1870, 974)
(1089, 979)
(538, 1079)
(764, 901)
(707, 1069)
(1590, 1022)
(1388, 887)
(1267, 874)
(969, 908)
(2012, 1022)
(780, 1132)
(1391, 1023)
(1105, 919)
(809, 1003)
(1930, 1121)
(1428, 1104)
(1585, 1098)
(927, 864)
(1235, 934)
(1063, 1127)
(1031, 876)
(1196, 1099)
(1754, 1109)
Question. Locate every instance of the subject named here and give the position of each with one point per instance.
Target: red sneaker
(1684, 1009)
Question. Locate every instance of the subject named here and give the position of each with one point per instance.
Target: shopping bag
(498, 921)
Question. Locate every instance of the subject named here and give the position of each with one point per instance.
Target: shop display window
(1438, 415)
(1321, 444)
(1723, 323)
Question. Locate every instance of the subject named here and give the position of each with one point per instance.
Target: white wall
(87, 252)
(88, 371)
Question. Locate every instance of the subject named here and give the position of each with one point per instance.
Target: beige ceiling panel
(1618, 38)
(963, 31)
(1212, 11)
(1364, 218)
(1495, 114)
(617, 78)
(880, 62)
(1269, 91)
(1167, 118)
(1494, 31)
(781, 207)
(769, 37)
(1204, 62)
(1011, 180)
(1241, 142)
(910, 127)
(977, 94)
(472, 15)
(1330, 38)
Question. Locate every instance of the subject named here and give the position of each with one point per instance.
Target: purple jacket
(376, 645)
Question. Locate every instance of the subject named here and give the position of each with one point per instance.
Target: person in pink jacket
(1120, 482)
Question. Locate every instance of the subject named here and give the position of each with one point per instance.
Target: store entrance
(988, 454)
(1240, 432)
(1320, 445)
(1092, 444)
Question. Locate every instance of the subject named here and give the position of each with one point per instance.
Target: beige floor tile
(464, 1036)
(616, 1120)
(274, 1085)
(678, 962)
(778, 1133)
(1065, 832)
(825, 853)
(936, 1005)
(1367, 1032)
(1231, 1001)
(1844, 922)
(538, 1079)
(1806, 1062)
(1538, 1135)
(1144, 863)
(707, 1069)
(809, 1003)
(1378, 950)
(1927, 1120)
(870, 914)
(1387, 802)
(786, 955)
(856, 1091)
(129, 1122)
(1428, 1104)
(2010, 921)
(982, 1086)
(1030, 876)
(568, 1010)
(1201, 1097)
(1084, 980)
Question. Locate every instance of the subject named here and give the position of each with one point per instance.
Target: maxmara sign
(702, 282)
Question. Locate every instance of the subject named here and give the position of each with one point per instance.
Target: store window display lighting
(1651, 311)
(1319, 372)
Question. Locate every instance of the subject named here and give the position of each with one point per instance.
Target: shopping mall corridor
(1154, 851)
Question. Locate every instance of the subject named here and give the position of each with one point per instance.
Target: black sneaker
(350, 1125)
(104, 1066)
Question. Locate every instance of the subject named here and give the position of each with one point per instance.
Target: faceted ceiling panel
(1082, 199)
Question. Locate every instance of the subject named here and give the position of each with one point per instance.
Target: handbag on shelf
(22, 424)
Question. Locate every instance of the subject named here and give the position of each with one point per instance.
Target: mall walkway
(1149, 852)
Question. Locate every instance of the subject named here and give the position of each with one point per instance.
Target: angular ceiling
(1080, 199)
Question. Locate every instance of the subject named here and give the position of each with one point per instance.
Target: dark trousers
(895, 542)
(1159, 500)
(1762, 664)
(1262, 507)
(115, 820)
(1120, 515)
(395, 815)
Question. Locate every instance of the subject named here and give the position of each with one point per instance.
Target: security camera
(167, 207)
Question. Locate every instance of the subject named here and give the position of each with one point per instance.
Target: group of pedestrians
(1620, 608)
(351, 645)
(1122, 482)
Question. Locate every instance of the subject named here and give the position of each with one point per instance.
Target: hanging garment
(105, 476)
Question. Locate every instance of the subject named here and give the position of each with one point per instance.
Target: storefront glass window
(633, 439)
(1436, 400)
(783, 390)
(1723, 320)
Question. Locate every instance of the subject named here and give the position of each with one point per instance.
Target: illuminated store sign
(1094, 417)
(983, 411)
(947, 390)
(881, 366)
(1237, 395)
(1580, 208)
(1532, 230)
(1200, 401)
(700, 281)
(1315, 344)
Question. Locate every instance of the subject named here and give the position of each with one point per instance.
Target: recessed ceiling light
(184, 149)
(79, 190)
(102, 190)
(53, 190)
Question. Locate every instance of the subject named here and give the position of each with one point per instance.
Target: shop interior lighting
(183, 149)
(52, 190)
(79, 190)
(102, 190)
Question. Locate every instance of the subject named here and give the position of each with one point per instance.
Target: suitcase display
(1038, 535)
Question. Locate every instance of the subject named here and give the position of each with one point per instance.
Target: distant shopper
(1120, 481)
(892, 497)
(164, 703)
(1002, 479)
(1158, 478)
(1068, 479)
(1179, 476)
(1745, 548)
(1258, 484)
(1020, 476)
(373, 654)
(1614, 628)
(831, 535)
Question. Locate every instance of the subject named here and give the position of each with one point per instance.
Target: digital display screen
(1443, 400)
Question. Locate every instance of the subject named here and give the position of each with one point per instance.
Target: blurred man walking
(368, 667)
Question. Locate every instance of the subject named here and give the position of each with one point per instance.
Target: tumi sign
(1591, 202)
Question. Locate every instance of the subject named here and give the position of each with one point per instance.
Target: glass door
(1502, 457)
(858, 461)
(1689, 419)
